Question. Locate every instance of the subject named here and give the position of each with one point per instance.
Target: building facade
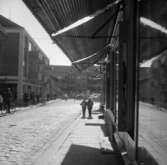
(23, 64)
(73, 82)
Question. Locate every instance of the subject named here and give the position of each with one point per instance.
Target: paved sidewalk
(82, 146)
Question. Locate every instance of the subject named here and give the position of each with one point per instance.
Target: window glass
(153, 82)
(29, 46)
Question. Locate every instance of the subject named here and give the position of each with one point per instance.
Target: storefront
(128, 38)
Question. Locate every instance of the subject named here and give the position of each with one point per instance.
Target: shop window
(152, 137)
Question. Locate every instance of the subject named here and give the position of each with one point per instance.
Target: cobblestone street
(27, 132)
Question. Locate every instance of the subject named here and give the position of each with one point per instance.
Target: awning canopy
(94, 58)
(81, 41)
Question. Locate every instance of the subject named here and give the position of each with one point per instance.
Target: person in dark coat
(25, 98)
(1, 102)
(83, 104)
(90, 106)
(8, 100)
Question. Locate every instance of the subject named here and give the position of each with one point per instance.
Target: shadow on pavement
(83, 155)
(145, 157)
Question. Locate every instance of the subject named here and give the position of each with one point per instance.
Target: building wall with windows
(9, 54)
(23, 64)
(73, 82)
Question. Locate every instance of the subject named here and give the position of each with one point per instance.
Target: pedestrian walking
(65, 96)
(83, 104)
(1, 103)
(25, 98)
(90, 106)
(8, 100)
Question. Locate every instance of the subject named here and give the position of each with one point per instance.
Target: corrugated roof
(77, 43)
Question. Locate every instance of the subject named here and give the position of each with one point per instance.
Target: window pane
(153, 81)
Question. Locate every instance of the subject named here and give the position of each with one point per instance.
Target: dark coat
(83, 104)
(7, 96)
(90, 104)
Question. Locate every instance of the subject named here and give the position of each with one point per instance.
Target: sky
(16, 11)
